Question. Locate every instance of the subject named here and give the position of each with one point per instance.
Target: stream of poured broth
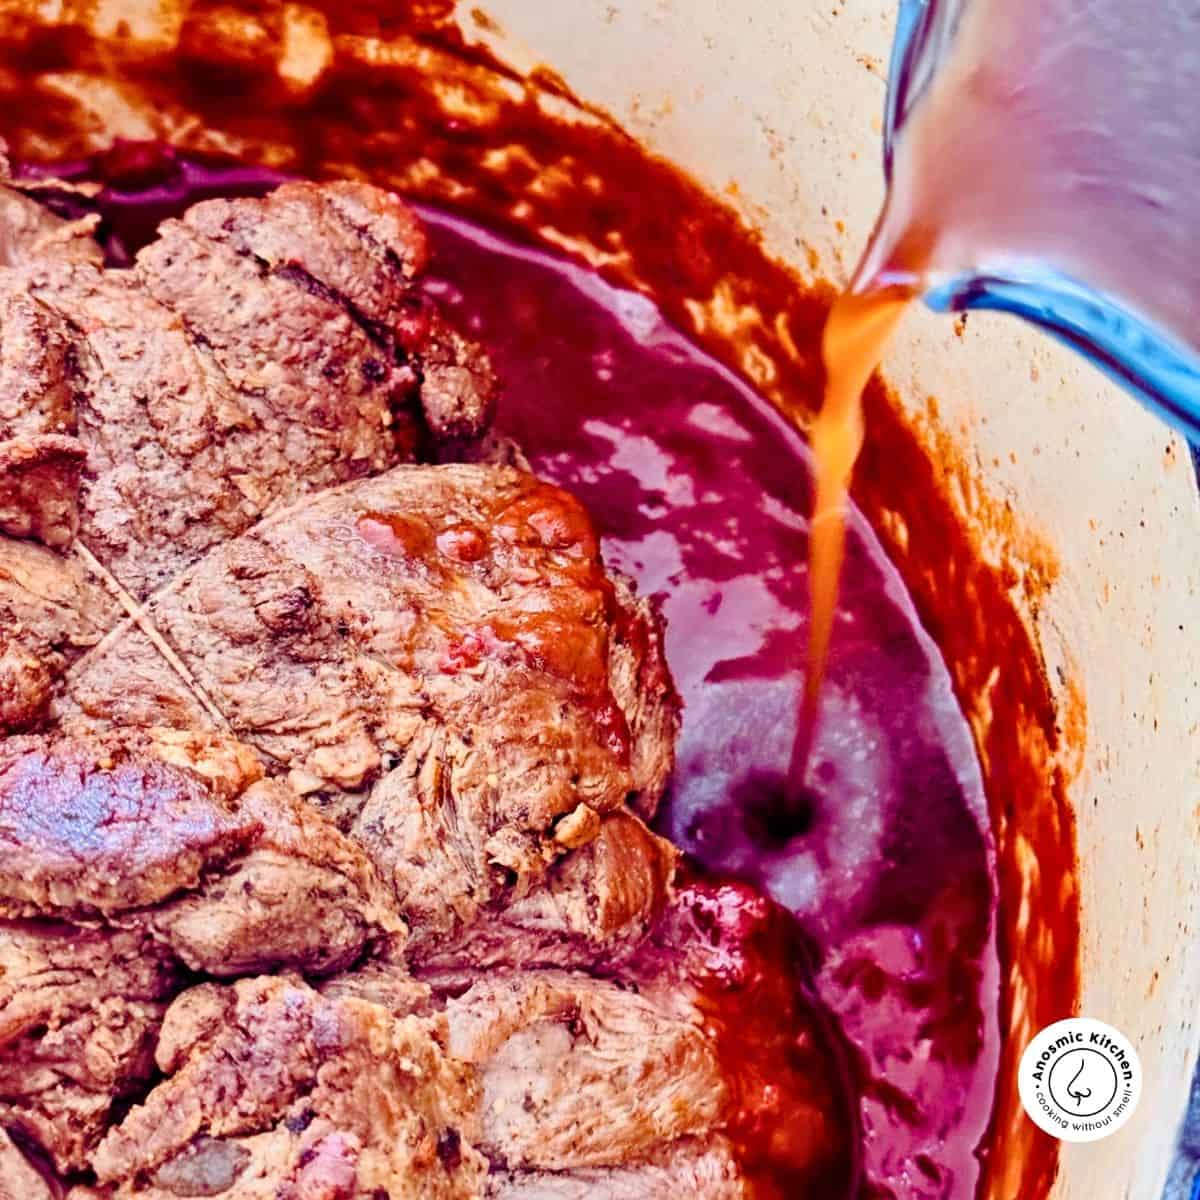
(855, 337)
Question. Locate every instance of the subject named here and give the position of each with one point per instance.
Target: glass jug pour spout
(1043, 159)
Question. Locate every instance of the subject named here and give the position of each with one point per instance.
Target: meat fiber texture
(326, 746)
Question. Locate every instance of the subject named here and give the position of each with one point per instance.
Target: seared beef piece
(303, 896)
(51, 610)
(703, 1169)
(361, 245)
(594, 910)
(579, 1072)
(359, 250)
(88, 829)
(18, 1178)
(79, 1009)
(213, 452)
(172, 850)
(244, 368)
(275, 1091)
(232, 874)
(40, 462)
(457, 387)
(448, 633)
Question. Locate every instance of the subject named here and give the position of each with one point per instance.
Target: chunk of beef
(86, 829)
(358, 249)
(40, 463)
(445, 640)
(579, 1073)
(457, 386)
(304, 896)
(704, 1169)
(274, 1090)
(213, 453)
(365, 246)
(231, 872)
(226, 359)
(594, 910)
(78, 1013)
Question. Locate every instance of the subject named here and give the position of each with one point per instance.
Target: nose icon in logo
(1077, 1093)
(1082, 1082)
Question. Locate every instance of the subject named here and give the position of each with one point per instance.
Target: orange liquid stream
(857, 332)
(1024, 146)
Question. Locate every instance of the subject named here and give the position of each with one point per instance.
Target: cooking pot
(1045, 525)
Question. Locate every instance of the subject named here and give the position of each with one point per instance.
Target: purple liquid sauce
(701, 491)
